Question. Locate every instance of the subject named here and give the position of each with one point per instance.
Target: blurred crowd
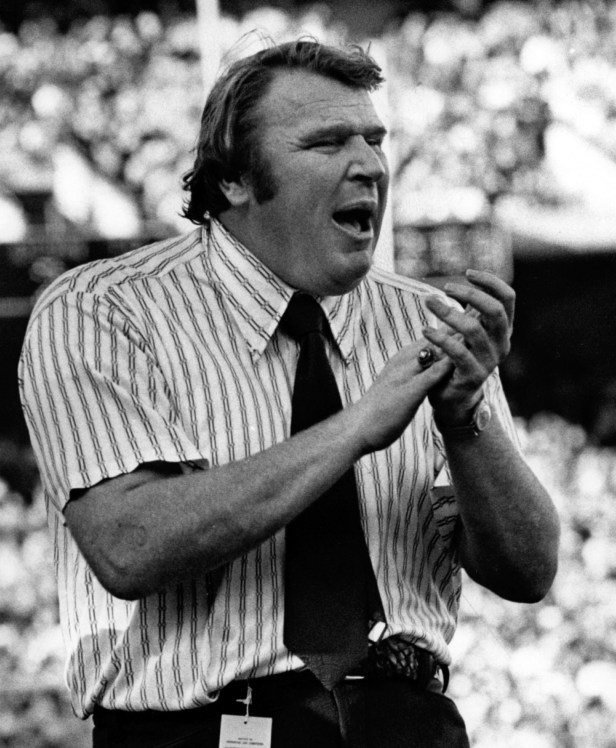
(478, 109)
(544, 676)
(481, 112)
(486, 93)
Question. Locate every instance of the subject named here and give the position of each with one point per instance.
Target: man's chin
(351, 276)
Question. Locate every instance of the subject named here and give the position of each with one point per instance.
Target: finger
(426, 357)
(479, 301)
(496, 287)
(435, 373)
(410, 360)
(491, 303)
(480, 305)
(425, 353)
(406, 366)
(473, 371)
(465, 329)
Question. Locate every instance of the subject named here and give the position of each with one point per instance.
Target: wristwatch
(479, 418)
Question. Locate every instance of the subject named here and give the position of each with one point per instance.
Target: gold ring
(425, 357)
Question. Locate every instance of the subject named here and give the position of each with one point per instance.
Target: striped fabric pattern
(172, 353)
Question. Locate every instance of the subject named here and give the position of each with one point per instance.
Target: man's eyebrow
(345, 131)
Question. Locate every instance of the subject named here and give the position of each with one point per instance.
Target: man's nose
(368, 163)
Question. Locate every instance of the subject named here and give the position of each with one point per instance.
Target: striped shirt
(172, 353)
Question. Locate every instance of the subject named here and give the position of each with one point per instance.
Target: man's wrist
(463, 422)
(458, 414)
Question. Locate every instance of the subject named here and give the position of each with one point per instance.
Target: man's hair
(228, 144)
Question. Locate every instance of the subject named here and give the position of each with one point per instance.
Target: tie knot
(303, 316)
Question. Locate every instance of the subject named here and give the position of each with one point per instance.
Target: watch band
(479, 419)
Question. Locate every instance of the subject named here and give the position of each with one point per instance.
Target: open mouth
(354, 220)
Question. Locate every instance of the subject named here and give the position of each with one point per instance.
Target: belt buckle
(375, 636)
(377, 632)
(396, 657)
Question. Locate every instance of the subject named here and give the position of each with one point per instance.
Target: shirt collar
(343, 314)
(257, 297)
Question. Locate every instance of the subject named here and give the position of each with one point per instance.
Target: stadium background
(503, 145)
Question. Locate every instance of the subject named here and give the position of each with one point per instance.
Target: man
(159, 390)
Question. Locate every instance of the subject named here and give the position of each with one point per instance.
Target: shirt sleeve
(94, 399)
(443, 497)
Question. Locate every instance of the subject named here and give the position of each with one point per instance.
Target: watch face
(482, 417)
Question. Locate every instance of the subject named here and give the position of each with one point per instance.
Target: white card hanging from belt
(245, 730)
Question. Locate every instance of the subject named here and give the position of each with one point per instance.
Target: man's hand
(507, 537)
(390, 404)
(476, 341)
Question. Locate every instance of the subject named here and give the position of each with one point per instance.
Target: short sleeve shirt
(173, 353)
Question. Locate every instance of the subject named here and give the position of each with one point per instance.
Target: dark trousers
(357, 714)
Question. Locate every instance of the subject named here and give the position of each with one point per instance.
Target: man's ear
(237, 193)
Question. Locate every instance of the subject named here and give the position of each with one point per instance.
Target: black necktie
(331, 595)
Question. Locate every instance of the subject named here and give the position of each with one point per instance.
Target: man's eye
(327, 143)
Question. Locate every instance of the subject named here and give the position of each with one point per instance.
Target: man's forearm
(509, 532)
(145, 531)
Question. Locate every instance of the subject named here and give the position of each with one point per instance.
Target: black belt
(395, 657)
(390, 659)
